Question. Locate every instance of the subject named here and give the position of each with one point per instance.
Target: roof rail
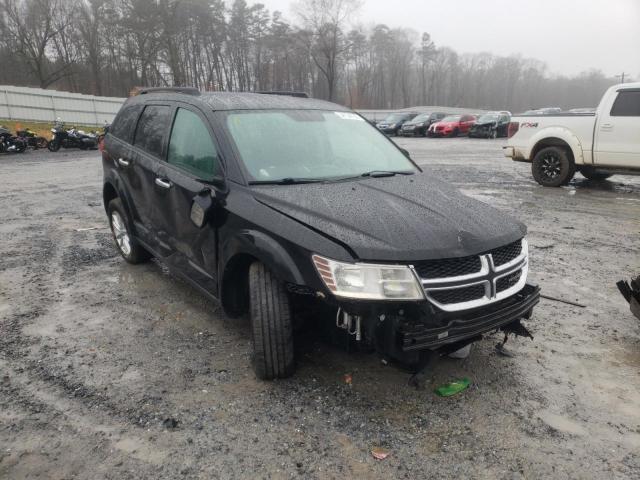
(185, 90)
(289, 94)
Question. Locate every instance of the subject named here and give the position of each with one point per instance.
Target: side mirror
(201, 208)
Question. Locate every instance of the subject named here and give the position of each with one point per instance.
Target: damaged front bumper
(416, 336)
(404, 331)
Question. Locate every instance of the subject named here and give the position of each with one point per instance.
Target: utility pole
(621, 77)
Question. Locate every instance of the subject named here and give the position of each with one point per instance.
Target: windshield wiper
(285, 181)
(384, 173)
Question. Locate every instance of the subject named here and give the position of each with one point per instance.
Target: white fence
(39, 105)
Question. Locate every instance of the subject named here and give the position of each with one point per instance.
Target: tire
(21, 147)
(271, 326)
(591, 174)
(552, 167)
(41, 142)
(127, 245)
(53, 145)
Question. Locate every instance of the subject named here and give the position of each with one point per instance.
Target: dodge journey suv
(275, 204)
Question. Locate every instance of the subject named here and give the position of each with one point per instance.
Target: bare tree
(326, 20)
(30, 29)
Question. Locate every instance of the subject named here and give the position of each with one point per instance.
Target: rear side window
(125, 122)
(627, 104)
(152, 126)
(191, 147)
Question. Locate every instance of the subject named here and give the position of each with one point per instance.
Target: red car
(452, 126)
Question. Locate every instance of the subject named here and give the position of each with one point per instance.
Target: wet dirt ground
(109, 370)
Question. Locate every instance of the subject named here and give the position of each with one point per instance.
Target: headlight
(369, 281)
(53, 130)
(392, 125)
(419, 124)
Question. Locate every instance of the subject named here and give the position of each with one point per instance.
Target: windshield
(451, 118)
(423, 117)
(488, 118)
(395, 117)
(311, 144)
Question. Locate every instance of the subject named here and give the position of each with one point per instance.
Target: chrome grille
(508, 281)
(470, 282)
(507, 253)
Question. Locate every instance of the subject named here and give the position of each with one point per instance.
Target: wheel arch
(237, 255)
(558, 137)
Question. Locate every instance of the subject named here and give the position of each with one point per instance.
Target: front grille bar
(488, 276)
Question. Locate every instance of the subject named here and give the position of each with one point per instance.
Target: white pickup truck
(597, 145)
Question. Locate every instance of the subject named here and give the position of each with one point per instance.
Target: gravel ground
(116, 371)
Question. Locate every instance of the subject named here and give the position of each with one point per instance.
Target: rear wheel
(271, 326)
(128, 246)
(41, 142)
(592, 174)
(552, 167)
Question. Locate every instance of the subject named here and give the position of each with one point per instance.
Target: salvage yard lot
(109, 370)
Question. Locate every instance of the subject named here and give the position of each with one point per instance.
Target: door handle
(607, 126)
(123, 162)
(163, 183)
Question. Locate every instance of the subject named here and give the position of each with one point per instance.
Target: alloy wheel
(120, 233)
(551, 166)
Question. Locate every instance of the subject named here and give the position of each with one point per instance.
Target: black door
(148, 148)
(191, 163)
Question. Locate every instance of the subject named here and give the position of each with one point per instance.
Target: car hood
(401, 218)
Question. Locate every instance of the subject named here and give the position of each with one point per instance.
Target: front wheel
(271, 325)
(552, 167)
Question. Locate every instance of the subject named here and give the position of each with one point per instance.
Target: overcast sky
(571, 36)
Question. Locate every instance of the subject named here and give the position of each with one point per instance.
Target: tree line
(107, 47)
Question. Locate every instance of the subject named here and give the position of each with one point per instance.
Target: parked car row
(441, 124)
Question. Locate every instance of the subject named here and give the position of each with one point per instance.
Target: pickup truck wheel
(591, 174)
(552, 167)
(128, 247)
(271, 326)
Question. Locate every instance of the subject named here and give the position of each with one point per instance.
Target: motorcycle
(10, 143)
(71, 138)
(31, 139)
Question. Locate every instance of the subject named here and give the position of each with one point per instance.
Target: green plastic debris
(454, 387)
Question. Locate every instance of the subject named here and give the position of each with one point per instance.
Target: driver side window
(191, 147)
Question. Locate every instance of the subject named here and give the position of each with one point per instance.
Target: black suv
(419, 125)
(392, 124)
(491, 125)
(278, 206)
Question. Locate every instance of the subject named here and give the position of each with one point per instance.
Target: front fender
(562, 133)
(265, 248)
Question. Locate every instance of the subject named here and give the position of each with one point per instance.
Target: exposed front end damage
(404, 332)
